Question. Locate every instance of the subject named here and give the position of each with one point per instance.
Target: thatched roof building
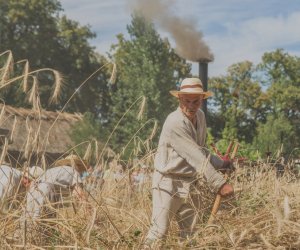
(33, 133)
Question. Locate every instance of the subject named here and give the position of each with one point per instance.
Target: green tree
(36, 30)
(87, 132)
(273, 134)
(236, 103)
(147, 66)
(280, 74)
(259, 105)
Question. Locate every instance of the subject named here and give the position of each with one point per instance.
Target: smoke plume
(189, 41)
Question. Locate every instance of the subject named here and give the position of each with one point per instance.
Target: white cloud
(234, 30)
(248, 40)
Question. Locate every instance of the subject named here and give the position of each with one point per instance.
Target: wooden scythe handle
(219, 197)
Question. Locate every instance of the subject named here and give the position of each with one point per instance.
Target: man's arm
(185, 146)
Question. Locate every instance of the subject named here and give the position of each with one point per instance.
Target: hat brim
(205, 95)
(81, 165)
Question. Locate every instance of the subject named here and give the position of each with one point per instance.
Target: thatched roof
(35, 131)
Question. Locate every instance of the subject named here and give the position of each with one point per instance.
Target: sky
(234, 30)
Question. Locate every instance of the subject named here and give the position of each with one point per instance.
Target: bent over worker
(179, 159)
(56, 183)
(14, 182)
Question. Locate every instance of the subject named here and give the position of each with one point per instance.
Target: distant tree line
(258, 105)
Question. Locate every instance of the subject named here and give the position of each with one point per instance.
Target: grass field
(263, 214)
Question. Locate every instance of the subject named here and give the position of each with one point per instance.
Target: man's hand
(226, 190)
(227, 166)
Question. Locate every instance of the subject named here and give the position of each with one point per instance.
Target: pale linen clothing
(10, 182)
(166, 207)
(181, 151)
(179, 160)
(54, 184)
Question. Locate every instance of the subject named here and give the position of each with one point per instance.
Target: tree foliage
(147, 67)
(236, 103)
(36, 31)
(274, 134)
(259, 105)
(282, 98)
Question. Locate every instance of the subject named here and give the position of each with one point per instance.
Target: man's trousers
(167, 206)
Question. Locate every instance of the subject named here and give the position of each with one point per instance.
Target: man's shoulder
(175, 116)
(5, 169)
(174, 121)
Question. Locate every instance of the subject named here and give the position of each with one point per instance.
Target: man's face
(189, 104)
(26, 182)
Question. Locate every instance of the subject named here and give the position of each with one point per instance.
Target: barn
(31, 135)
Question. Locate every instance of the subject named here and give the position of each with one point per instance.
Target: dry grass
(263, 214)
(7, 78)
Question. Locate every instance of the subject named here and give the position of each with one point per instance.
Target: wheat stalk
(25, 74)
(113, 76)
(88, 152)
(142, 108)
(71, 97)
(286, 208)
(134, 135)
(58, 84)
(90, 226)
(34, 90)
(154, 129)
(13, 128)
(2, 113)
(4, 151)
(7, 67)
(28, 144)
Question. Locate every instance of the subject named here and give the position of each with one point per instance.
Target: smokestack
(203, 75)
(189, 41)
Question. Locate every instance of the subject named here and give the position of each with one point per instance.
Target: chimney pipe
(203, 72)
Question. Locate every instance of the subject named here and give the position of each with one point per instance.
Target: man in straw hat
(14, 182)
(54, 185)
(179, 160)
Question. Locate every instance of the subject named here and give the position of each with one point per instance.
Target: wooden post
(217, 202)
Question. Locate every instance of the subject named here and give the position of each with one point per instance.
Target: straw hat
(74, 161)
(191, 86)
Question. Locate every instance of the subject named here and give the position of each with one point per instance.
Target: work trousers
(167, 206)
(39, 204)
(39, 200)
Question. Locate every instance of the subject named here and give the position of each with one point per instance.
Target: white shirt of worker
(54, 184)
(179, 159)
(10, 182)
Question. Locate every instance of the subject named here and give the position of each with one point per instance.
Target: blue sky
(235, 30)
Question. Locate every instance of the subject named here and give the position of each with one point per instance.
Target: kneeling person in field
(55, 184)
(14, 182)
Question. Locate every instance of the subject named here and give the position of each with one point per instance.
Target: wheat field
(264, 213)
